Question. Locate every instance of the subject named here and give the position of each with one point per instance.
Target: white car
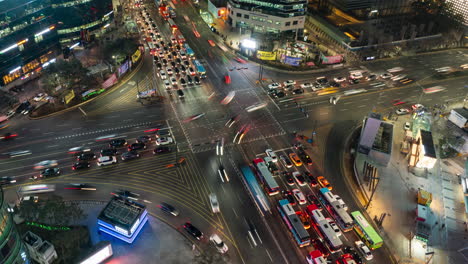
(163, 74)
(219, 244)
(174, 81)
(214, 203)
(306, 85)
(272, 155)
(402, 111)
(417, 106)
(356, 75)
(299, 178)
(164, 141)
(334, 227)
(395, 69)
(364, 250)
(272, 86)
(407, 126)
(339, 79)
(299, 196)
(39, 97)
(289, 82)
(398, 77)
(167, 84)
(106, 160)
(169, 72)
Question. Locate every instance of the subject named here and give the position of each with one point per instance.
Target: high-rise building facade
(267, 16)
(33, 32)
(12, 249)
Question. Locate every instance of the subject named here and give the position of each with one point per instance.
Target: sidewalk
(399, 185)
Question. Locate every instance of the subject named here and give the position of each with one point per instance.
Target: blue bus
(200, 69)
(189, 50)
(256, 190)
(293, 223)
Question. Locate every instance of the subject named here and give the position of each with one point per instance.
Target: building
(122, 219)
(217, 8)
(423, 153)
(376, 139)
(266, 17)
(461, 7)
(12, 249)
(459, 117)
(43, 252)
(34, 32)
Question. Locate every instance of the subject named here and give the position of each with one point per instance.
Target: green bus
(365, 231)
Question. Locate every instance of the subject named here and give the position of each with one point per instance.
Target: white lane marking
(323, 113)
(252, 239)
(123, 90)
(76, 128)
(48, 133)
(347, 102)
(235, 213)
(268, 253)
(362, 106)
(52, 146)
(82, 111)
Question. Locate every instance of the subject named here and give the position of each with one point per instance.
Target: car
(186, 63)
(173, 64)
(314, 200)
(164, 141)
(106, 160)
(398, 77)
(81, 165)
(169, 209)
(231, 121)
(339, 79)
(169, 72)
(219, 244)
(197, 80)
(289, 82)
(295, 159)
(50, 172)
(183, 82)
(183, 69)
(416, 107)
(371, 77)
(299, 196)
(356, 75)
(305, 219)
(288, 177)
(274, 86)
(286, 161)
(297, 91)
(271, 165)
(306, 85)
(364, 250)
(23, 107)
(318, 245)
(353, 81)
(39, 97)
(214, 202)
(324, 183)
(305, 158)
(176, 70)
(189, 79)
(310, 179)
(289, 196)
(222, 173)
(161, 55)
(272, 155)
(167, 84)
(137, 146)
(345, 259)
(407, 126)
(129, 155)
(395, 69)
(80, 187)
(174, 81)
(299, 178)
(192, 230)
(179, 61)
(108, 152)
(402, 111)
(191, 71)
(159, 66)
(126, 194)
(386, 76)
(5, 180)
(34, 199)
(8, 136)
(119, 142)
(211, 43)
(322, 81)
(162, 149)
(180, 93)
(143, 139)
(85, 156)
(334, 227)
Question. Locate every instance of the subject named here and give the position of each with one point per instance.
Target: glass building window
(287, 24)
(246, 16)
(295, 22)
(239, 15)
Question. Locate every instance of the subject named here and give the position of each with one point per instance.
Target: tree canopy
(117, 50)
(65, 73)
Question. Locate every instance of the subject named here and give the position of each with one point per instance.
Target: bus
(337, 209)
(323, 228)
(200, 69)
(293, 222)
(365, 231)
(255, 190)
(189, 50)
(172, 24)
(179, 37)
(37, 188)
(266, 177)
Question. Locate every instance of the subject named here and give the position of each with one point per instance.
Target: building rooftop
(376, 135)
(32, 239)
(462, 111)
(428, 143)
(121, 212)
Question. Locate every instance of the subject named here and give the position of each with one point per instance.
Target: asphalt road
(188, 186)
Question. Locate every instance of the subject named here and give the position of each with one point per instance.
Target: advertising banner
(69, 96)
(124, 68)
(109, 82)
(332, 59)
(136, 56)
(292, 60)
(266, 55)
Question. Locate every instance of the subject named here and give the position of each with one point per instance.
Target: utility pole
(372, 178)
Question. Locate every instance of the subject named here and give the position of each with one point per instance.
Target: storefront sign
(109, 82)
(124, 68)
(332, 59)
(266, 55)
(292, 60)
(69, 96)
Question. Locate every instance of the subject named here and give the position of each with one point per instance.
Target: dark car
(334, 84)
(115, 143)
(137, 146)
(288, 177)
(191, 229)
(126, 194)
(196, 80)
(50, 172)
(304, 157)
(7, 180)
(86, 156)
(186, 63)
(174, 54)
(159, 66)
(79, 187)
(314, 200)
(178, 61)
(298, 91)
(289, 196)
(176, 70)
(169, 209)
(129, 155)
(311, 179)
(183, 69)
(180, 93)
(354, 81)
(156, 58)
(81, 165)
(189, 79)
(161, 150)
(23, 106)
(183, 82)
(143, 139)
(108, 152)
(354, 254)
(277, 94)
(173, 64)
